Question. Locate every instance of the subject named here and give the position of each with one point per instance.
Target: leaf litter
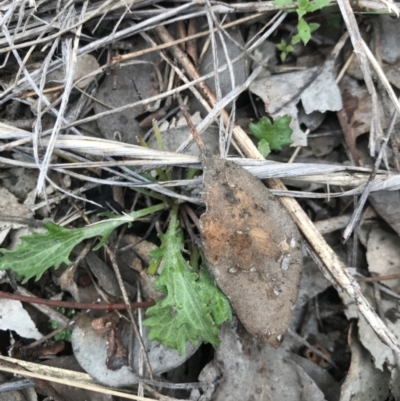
(243, 251)
(251, 243)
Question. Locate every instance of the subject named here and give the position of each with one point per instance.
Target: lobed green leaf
(263, 145)
(193, 307)
(40, 251)
(304, 30)
(274, 135)
(303, 4)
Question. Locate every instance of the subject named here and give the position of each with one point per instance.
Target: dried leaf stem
(74, 305)
(62, 376)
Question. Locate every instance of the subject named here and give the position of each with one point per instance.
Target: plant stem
(148, 210)
(74, 305)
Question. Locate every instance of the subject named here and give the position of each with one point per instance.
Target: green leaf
(303, 4)
(40, 251)
(285, 48)
(277, 135)
(193, 307)
(218, 303)
(295, 39)
(282, 46)
(301, 13)
(263, 145)
(304, 31)
(317, 5)
(64, 335)
(283, 58)
(313, 26)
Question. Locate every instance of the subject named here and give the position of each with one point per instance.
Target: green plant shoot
(64, 335)
(304, 29)
(40, 251)
(285, 48)
(193, 306)
(272, 136)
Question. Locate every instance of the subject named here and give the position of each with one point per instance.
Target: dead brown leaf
(355, 117)
(253, 248)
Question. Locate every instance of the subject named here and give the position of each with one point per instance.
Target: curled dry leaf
(253, 248)
(127, 85)
(239, 69)
(364, 381)
(355, 116)
(15, 317)
(382, 356)
(10, 206)
(387, 205)
(101, 346)
(390, 36)
(245, 368)
(85, 64)
(383, 255)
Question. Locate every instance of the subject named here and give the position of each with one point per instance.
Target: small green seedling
(272, 136)
(64, 335)
(304, 28)
(285, 48)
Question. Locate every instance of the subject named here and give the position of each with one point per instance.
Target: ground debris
(253, 248)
